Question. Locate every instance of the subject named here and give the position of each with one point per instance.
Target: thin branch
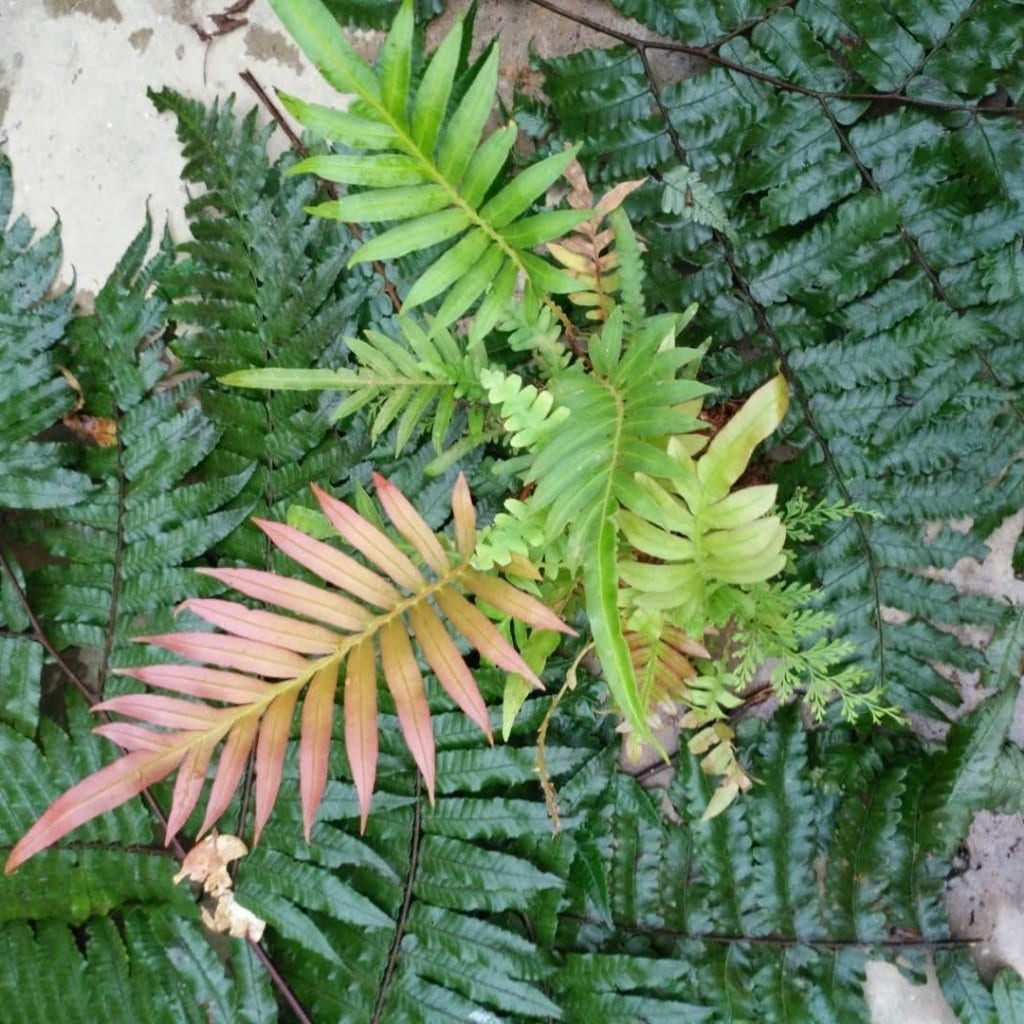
(72, 676)
(329, 187)
(291, 1000)
(708, 53)
(403, 914)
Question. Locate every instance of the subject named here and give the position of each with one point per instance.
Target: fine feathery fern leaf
(431, 173)
(266, 644)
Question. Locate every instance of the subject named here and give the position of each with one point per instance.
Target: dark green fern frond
(418, 920)
(864, 263)
(100, 920)
(730, 919)
(264, 286)
(119, 555)
(33, 394)
(149, 965)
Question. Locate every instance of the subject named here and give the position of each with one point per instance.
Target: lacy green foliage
(263, 285)
(433, 173)
(875, 260)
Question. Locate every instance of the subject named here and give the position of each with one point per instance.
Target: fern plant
(623, 395)
(631, 509)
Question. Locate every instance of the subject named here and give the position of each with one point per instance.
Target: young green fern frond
(369, 615)
(430, 172)
(422, 375)
(706, 535)
(529, 416)
(622, 415)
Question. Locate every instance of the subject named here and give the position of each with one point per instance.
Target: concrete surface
(85, 141)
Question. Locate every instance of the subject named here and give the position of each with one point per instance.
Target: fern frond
(707, 535)
(422, 375)
(864, 263)
(369, 612)
(529, 416)
(681, 924)
(433, 174)
(263, 285)
(121, 553)
(622, 415)
(33, 395)
(587, 253)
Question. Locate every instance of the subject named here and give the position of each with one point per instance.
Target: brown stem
(708, 53)
(403, 914)
(72, 676)
(329, 187)
(281, 985)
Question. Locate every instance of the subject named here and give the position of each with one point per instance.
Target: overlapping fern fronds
(432, 172)
(372, 613)
(867, 242)
(33, 394)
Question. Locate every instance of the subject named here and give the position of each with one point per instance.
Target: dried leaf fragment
(207, 863)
